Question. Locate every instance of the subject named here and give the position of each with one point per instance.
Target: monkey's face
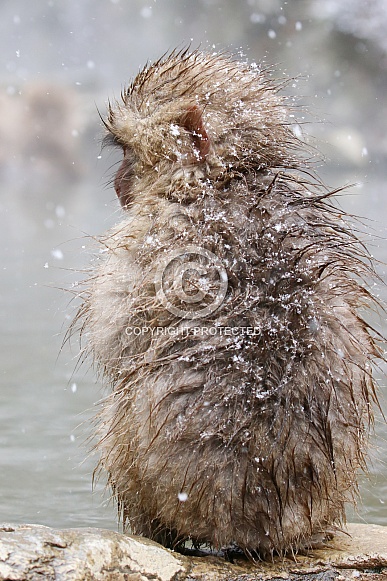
(193, 117)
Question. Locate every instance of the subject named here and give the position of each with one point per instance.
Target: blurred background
(59, 61)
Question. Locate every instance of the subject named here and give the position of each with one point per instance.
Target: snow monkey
(225, 316)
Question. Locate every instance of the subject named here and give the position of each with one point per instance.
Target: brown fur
(262, 434)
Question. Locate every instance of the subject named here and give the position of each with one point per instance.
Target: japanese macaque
(224, 314)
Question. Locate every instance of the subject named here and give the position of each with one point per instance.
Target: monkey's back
(246, 425)
(226, 314)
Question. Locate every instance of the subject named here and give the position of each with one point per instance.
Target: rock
(35, 552)
(32, 552)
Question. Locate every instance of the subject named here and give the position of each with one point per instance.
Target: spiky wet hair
(263, 434)
(194, 109)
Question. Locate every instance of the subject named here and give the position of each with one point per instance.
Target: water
(45, 473)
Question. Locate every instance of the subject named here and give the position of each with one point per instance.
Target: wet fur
(264, 434)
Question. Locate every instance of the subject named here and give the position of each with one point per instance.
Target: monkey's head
(194, 117)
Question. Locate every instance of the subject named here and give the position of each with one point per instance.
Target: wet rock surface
(35, 552)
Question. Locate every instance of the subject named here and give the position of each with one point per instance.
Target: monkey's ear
(192, 121)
